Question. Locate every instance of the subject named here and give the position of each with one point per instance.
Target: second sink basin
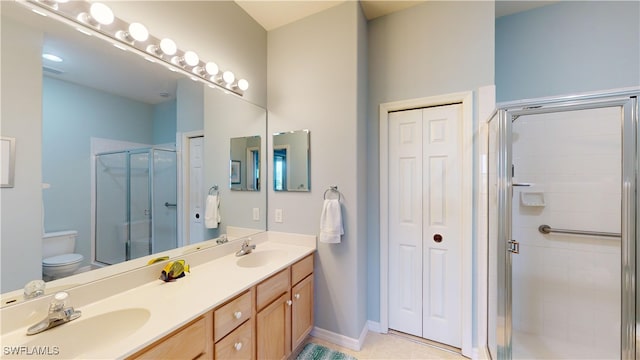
(259, 258)
(86, 335)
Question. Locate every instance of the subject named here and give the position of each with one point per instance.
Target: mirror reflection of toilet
(58, 258)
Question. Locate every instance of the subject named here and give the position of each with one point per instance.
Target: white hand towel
(212, 212)
(331, 228)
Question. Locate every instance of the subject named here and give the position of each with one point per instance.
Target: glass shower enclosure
(562, 229)
(135, 204)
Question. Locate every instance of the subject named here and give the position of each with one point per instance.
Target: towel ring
(333, 189)
(213, 190)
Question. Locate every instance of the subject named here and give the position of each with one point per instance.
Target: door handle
(437, 238)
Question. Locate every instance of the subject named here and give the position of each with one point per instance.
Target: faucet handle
(59, 301)
(34, 288)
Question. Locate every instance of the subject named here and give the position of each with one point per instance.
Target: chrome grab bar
(546, 229)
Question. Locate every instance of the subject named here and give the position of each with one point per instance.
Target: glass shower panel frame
(504, 184)
(164, 230)
(139, 199)
(112, 172)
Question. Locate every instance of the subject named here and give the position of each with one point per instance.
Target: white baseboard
(375, 327)
(481, 353)
(341, 340)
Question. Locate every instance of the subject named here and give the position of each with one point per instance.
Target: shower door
(135, 202)
(562, 230)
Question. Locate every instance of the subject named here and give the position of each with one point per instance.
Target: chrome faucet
(59, 313)
(246, 248)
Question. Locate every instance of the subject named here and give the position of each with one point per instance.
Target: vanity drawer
(230, 315)
(189, 342)
(236, 345)
(301, 269)
(272, 288)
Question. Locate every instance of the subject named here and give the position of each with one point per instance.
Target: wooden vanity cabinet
(268, 321)
(284, 310)
(192, 341)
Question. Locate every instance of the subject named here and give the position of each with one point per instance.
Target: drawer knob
(289, 302)
(237, 346)
(237, 314)
(297, 296)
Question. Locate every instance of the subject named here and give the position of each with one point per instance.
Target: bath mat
(313, 351)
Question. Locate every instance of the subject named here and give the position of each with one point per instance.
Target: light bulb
(138, 32)
(228, 77)
(243, 84)
(168, 46)
(101, 13)
(212, 68)
(191, 58)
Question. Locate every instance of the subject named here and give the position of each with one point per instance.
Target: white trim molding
(466, 99)
(341, 340)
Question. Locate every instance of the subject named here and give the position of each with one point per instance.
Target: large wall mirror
(110, 166)
(291, 168)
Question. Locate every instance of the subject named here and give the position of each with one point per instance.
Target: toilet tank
(58, 243)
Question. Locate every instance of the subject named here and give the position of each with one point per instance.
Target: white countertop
(170, 305)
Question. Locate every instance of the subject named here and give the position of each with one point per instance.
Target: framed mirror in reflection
(104, 174)
(244, 166)
(291, 168)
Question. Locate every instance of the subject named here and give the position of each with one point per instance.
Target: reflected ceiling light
(228, 77)
(51, 57)
(136, 32)
(243, 84)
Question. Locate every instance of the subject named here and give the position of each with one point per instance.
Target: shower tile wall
(566, 288)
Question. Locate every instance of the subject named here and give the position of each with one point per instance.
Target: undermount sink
(259, 258)
(81, 337)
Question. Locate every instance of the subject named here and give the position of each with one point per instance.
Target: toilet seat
(61, 260)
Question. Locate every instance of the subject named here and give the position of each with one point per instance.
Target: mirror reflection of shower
(135, 204)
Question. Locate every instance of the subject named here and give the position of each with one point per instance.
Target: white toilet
(58, 259)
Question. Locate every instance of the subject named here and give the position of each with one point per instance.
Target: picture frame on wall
(234, 174)
(7, 161)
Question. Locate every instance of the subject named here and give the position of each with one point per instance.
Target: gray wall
(431, 49)
(21, 111)
(566, 48)
(314, 83)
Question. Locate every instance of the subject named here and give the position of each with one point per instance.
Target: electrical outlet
(256, 214)
(278, 216)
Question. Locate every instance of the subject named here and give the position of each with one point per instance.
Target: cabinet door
(302, 310)
(273, 329)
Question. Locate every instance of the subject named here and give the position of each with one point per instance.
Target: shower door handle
(514, 247)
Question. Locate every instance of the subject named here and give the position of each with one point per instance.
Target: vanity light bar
(135, 37)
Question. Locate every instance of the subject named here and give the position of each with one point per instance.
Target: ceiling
(272, 14)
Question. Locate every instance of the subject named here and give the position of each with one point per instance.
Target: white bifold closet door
(425, 223)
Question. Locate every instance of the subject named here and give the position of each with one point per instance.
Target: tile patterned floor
(392, 346)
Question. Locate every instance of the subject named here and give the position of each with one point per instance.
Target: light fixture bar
(134, 37)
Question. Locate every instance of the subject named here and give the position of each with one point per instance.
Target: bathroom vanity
(258, 305)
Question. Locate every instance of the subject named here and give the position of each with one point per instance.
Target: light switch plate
(256, 214)
(278, 216)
